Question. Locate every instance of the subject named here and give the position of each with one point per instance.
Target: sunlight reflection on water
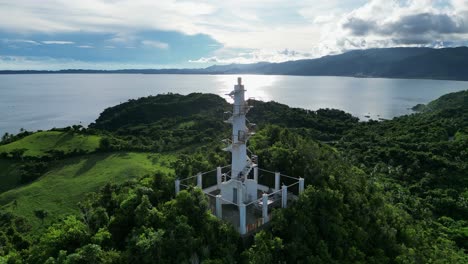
(45, 101)
(257, 86)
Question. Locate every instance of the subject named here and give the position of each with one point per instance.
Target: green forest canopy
(377, 192)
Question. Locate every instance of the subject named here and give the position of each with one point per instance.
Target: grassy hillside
(60, 189)
(38, 144)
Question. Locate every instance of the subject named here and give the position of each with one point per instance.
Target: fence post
(177, 186)
(199, 180)
(301, 185)
(265, 208)
(219, 207)
(242, 219)
(256, 174)
(277, 181)
(218, 177)
(284, 196)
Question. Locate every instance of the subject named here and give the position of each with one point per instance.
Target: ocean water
(44, 101)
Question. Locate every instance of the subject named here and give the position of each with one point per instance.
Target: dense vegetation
(421, 160)
(377, 192)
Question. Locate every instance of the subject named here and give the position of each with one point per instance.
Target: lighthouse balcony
(241, 109)
(229, 116)
(242, 136)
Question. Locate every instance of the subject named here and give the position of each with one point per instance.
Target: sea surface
(44, 101)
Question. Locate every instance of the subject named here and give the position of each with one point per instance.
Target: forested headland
(393, 191)
(397, 62)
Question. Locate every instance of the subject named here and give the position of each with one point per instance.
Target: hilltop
(419, 63)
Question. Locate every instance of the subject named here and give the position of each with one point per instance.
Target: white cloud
(100, 15)
(85, 47)
(46, 63)
(24, 41)
(264, 27)
(256, 56)
(382, 23)
(57, 42)
(236, 24)
(155, 44)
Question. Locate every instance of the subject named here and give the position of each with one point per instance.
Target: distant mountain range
(417, 63)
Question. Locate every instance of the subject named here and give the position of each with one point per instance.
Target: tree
(41, 214)
(148, 245)
(18, 153)
(66, 235)
(104, 143)
(266, 249)
(5, 138)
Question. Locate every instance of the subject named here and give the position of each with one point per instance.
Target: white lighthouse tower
(240, 134)
(239, 188)
(246, 202)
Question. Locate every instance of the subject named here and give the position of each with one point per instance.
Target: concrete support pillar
(199, 180)
(277, 181)
(177, 186)
(301, 185)
(240, 195)
(242, 219)
(218, 177)
(265, 208)
(284, 196)
(219, 207)
(256, 174)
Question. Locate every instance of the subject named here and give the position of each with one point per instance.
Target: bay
(44, 101)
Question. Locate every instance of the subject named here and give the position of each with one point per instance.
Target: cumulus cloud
(256, 56)
(359, 27)
(413, 23)
(216, 60)
(409, 25)
(338, 26)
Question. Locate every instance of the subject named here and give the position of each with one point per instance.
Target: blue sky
(115, 34)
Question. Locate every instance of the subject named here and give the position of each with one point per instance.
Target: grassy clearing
(39, 143)
(59, 190)
(8, 175)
